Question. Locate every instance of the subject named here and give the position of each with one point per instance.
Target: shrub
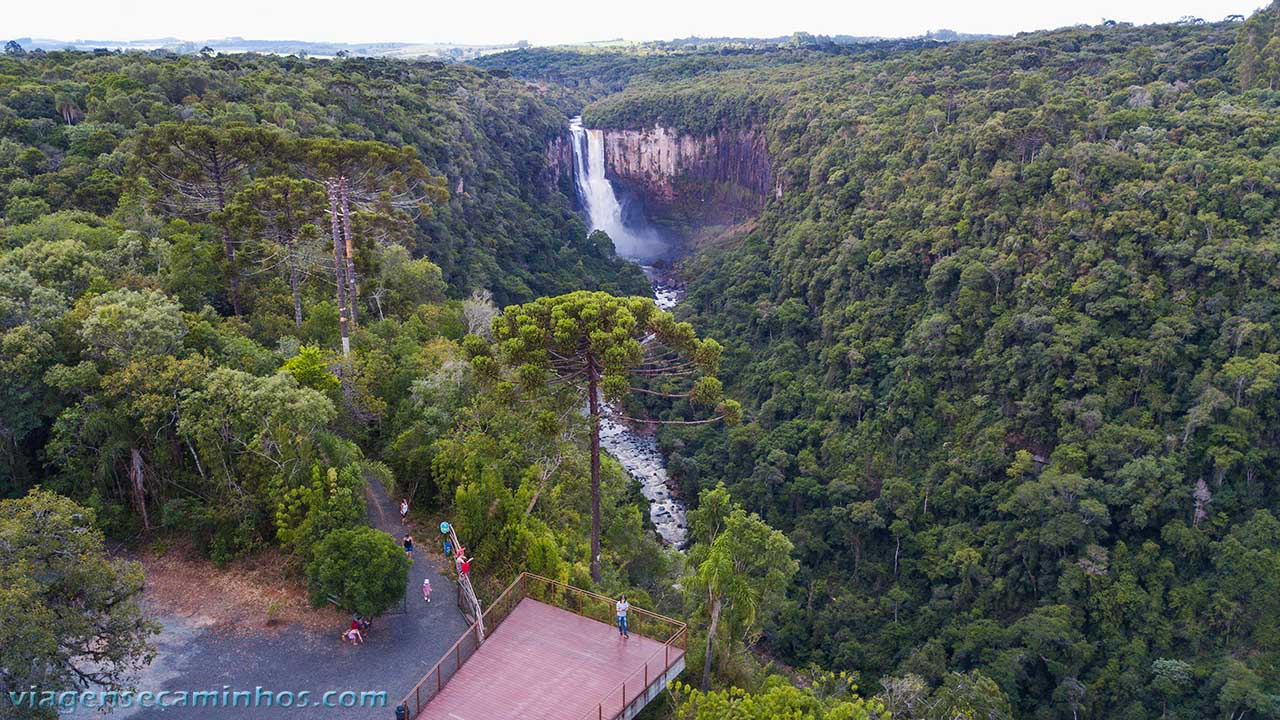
(364, 569)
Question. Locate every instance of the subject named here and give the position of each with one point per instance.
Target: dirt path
(198, 653)
(375, 502)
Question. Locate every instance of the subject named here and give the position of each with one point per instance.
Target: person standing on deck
(623, 606)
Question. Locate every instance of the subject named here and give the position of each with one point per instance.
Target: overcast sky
(542, 22)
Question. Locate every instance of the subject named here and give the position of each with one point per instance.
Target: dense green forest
(1007, 348)
(168, 281)
(101, 216)
(234, 292)
(69, 118)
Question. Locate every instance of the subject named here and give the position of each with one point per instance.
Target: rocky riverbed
(639, 456)
(638, 453)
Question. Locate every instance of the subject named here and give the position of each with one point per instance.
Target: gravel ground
(195, 654)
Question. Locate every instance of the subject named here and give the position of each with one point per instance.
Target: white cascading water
(637, 454)
(601, 204)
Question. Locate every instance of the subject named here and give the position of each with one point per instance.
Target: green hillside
(1008, 350)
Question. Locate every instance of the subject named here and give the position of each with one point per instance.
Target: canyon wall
(559, 170)
(683, 183)
(687, 181)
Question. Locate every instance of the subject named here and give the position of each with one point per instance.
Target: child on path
(426, 589)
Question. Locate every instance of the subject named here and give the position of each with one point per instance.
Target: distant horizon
(508, 22)
(245, 38)
(173, 39)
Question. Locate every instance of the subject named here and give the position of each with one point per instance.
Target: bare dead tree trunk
(548, 469)
(287, 237)
(711, 636)
(233, 273)
(297, 293)
(594, 405)
(228, 245)
(136, 481)
(352, 291)
(339, 267)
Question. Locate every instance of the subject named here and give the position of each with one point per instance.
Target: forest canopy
(1004, 344)
(1007, 348)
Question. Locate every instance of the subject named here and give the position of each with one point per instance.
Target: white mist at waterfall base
(604, 212)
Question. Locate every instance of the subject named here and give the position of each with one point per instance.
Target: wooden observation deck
(551, 651)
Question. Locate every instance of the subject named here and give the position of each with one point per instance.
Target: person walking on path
(408, 546)
(404, 510)
(623, 606)
(426, 589)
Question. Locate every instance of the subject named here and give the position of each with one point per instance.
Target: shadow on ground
(400, 649)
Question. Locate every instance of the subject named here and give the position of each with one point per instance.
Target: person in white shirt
(623, 606)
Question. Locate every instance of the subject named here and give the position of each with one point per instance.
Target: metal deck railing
(672, 633)
(634, 691)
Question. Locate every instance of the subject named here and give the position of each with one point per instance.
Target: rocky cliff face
(683, 182)
(560, 165)
(688, 181)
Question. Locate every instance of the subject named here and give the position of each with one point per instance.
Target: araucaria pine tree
(608, 348)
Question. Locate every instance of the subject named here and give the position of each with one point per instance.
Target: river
(638, 453)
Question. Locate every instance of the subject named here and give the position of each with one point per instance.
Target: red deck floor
(544, 662)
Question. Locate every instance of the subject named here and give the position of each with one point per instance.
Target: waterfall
(604, 212)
